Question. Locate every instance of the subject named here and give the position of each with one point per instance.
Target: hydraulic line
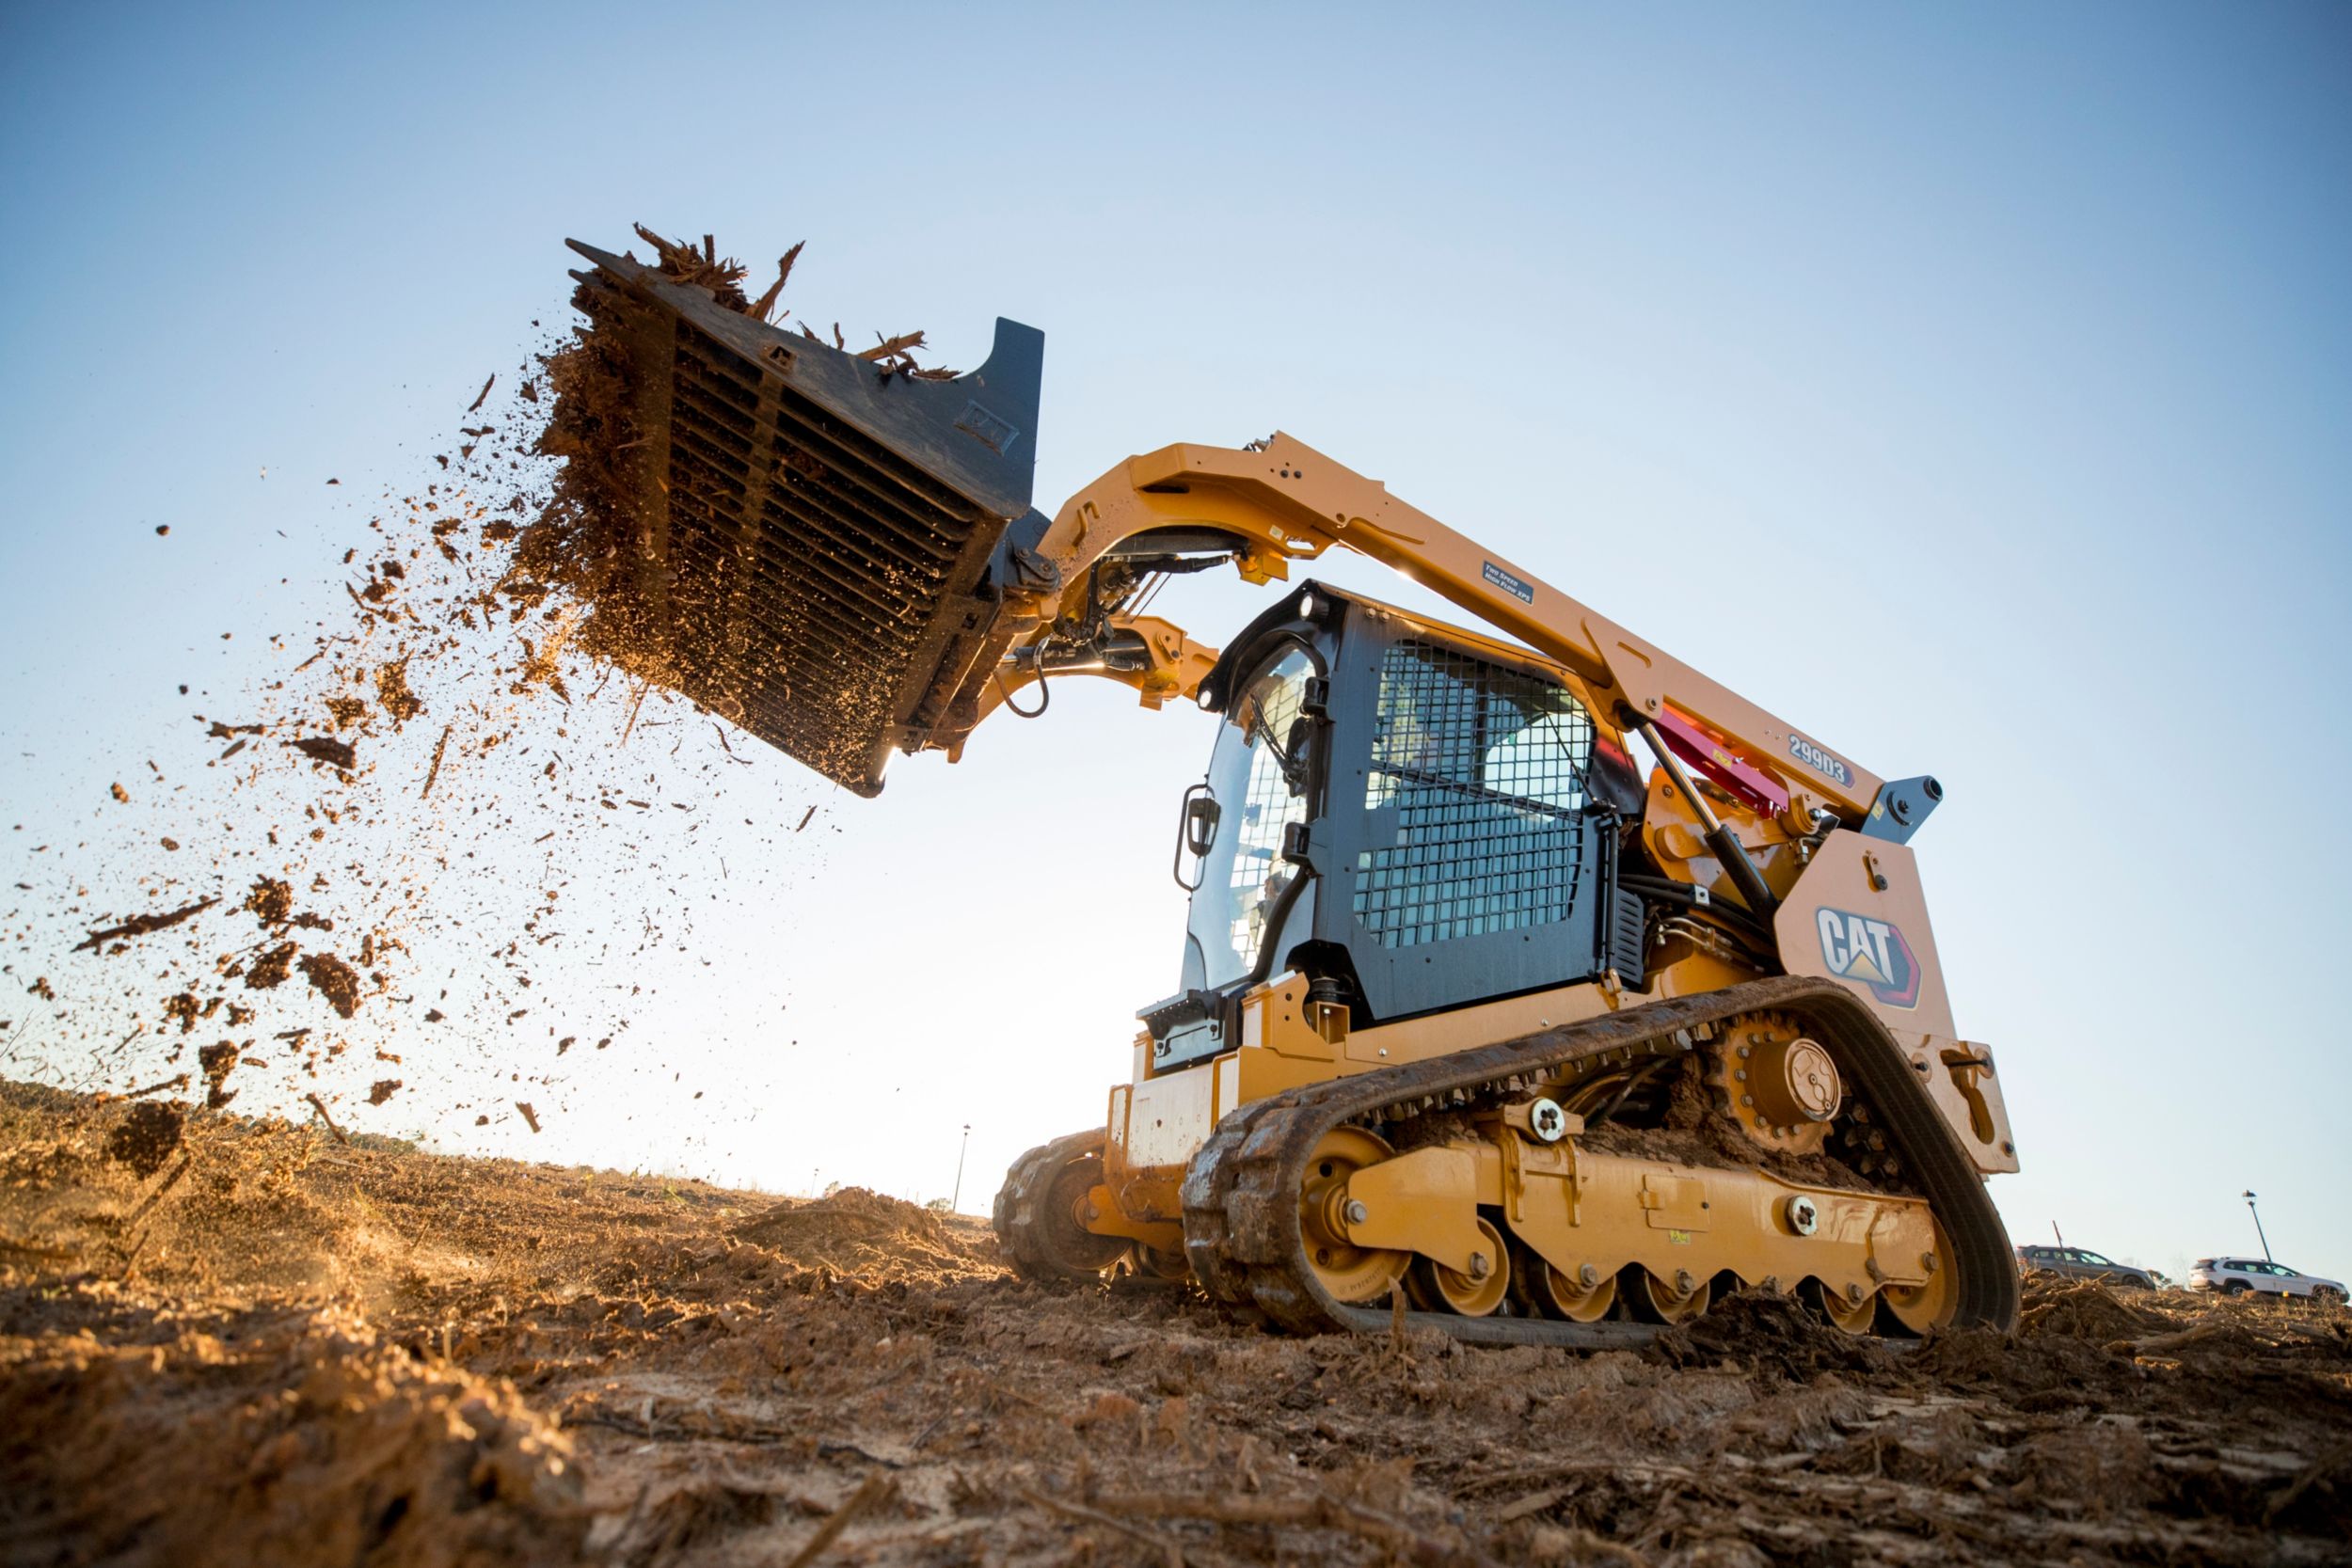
(1744, 876)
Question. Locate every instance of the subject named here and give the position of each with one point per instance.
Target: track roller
(1850, 1311)
(1665, 1301)
(1468, 1295)
(1586, 1296)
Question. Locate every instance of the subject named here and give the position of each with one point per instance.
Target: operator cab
(1414, 817)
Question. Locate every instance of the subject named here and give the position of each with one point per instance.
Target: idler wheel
(1150, 1262)
(1064, 1237)
(1350, 1273)
(1922, 1308)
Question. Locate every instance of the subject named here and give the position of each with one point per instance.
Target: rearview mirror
(1195, 831)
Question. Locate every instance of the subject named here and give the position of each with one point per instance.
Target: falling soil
(495, 601)
(327, 748)
(317, 1350)
(271, 901)
(147, 1137)
(392, 690)
(143, 924)
(218, 1061)
(333, 979)
(269, 971)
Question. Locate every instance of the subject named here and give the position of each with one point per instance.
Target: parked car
(2235, 1276)
(2083, 1264)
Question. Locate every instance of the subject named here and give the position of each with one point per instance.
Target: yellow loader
(1481, 1017)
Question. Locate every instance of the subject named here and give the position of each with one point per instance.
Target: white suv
(2235, 1276)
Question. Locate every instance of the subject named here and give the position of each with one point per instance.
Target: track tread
(1240, 1203)
(1020, 1218)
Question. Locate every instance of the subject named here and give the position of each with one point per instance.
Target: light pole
(2258, 1226)
(960, 1149)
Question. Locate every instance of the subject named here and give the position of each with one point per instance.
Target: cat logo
(1858, 947)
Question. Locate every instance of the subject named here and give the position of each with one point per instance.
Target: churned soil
(231, 1340)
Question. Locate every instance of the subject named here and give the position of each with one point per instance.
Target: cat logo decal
(1871, 951)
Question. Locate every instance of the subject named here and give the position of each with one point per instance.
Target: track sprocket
(1779, 1087)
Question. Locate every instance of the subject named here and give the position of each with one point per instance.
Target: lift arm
(1285, 501)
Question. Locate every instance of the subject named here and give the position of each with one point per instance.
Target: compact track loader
(1478, 1015)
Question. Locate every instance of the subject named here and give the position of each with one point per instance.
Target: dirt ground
(231, 1339)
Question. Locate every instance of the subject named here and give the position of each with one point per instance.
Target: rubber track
(1019, 1216)
(1241, 1190)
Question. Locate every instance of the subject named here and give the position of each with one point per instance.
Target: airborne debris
(391, 691)
(146, 1137)
(269, 971)
(218, 1061)
(333, 979)
(271, 902)
(435, 771)
(320, 1106)
(326, 749)
(139, 926)
(500, 575)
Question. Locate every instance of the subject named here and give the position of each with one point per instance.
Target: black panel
(1461, 852)
(1629, 923)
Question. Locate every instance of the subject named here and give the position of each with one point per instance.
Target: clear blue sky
(1968, 385)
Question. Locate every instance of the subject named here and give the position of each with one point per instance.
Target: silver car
(2235, 1276)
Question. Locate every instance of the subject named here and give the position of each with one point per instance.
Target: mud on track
(307, 1350)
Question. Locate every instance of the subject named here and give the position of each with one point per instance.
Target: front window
(1259, 782)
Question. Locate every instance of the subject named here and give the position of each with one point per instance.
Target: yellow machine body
(1663, 1031)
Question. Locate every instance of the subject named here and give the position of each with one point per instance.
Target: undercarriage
(1569, 1186)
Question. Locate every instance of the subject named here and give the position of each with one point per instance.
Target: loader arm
(1286, 502)
(845, 560)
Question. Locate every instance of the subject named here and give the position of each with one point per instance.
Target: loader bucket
(815, 529)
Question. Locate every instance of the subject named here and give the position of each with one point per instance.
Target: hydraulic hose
(1726, 845)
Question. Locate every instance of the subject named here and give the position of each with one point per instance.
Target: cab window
(1259, 789)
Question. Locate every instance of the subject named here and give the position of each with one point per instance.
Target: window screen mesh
(1484, 769)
